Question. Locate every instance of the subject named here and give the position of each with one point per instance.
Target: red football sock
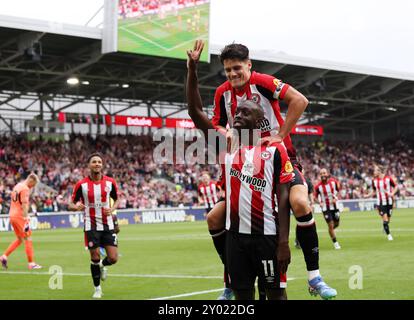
(29, 250)
(13, 246)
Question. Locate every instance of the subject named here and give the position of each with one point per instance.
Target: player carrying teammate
(266, 91)
(385, 189)
(209, 195)
(326, 194)
(92, 195)
(20, 220)
(257, 243)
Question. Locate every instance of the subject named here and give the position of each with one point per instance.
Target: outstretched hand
(195, 54)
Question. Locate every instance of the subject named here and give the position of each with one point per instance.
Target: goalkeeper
(20, 221)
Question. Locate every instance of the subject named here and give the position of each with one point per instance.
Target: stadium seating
(144, 184)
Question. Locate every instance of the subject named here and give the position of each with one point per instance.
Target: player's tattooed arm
(297, 104)
(76, 207)
(283, 254)
(75, 203)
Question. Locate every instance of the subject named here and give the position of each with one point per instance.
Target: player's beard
(96, 172)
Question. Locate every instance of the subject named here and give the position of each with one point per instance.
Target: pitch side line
(158, 45)
(185, 42)
(196, 293)
(119, 275)
(145, 39)
(188, 294)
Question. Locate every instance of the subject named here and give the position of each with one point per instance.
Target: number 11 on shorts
(115, 239)
(268, 268)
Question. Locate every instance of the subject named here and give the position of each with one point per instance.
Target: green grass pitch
(169, 36)
(178, 261)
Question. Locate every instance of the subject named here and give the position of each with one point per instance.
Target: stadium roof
(338, 99)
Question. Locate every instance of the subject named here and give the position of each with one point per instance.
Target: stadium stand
(144, 184)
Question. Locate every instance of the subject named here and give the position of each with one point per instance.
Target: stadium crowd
(145, 184)
(352, 164)
(137, 8)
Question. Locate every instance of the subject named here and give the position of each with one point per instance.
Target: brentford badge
(90, 244)
(265, 155)
(107, 189)
(255, 98)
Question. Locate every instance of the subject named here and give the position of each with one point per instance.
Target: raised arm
(195, 104)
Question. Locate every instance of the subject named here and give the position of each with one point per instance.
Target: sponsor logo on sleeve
(288, 167)
(279, 85)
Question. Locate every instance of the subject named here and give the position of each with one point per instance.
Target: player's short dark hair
(234, 51)
(256, 107)
(95, 154)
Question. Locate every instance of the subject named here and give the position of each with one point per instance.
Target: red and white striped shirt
(95, 196)
(251, 176)
(383, 188)
(327, 193)
(209, 193)
(263, 89)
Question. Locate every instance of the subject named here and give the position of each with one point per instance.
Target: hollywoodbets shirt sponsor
(257, 183)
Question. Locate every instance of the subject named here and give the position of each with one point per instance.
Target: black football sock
(226, 278)
(308, 240)
(334, 239)
(96, 272)
(386, 227)
(106, 262)
(219, 240)
(262, 290)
